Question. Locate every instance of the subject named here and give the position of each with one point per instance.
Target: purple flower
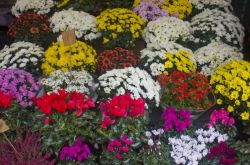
(79, 151)
(178, 121)
(20, 84)
(150, 11)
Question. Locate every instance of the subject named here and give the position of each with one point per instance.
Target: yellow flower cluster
(181, 61)
(62, 3)
(231, 85)
(182, 7)
(78, 56)
(120, 26)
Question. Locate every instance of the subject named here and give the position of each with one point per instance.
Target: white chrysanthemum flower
(80, 81)
(166, 29)
(22, 55)
(130, 80)
(216, 25)
(85, 25)
(39, 6)
(214, 55)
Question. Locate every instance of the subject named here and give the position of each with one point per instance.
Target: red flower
(47, 120)
(34, 30)
(107, 122)
(138, 108)
(60, 106)
(5, 100)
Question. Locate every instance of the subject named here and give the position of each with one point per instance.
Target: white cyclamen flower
(80, 81)
(166, 29)
(22, 55)
(85, 25)
(130, 80)
(214, 55)
(39, 6)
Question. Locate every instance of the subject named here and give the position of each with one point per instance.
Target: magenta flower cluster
(149, 10)
(226, 154)
(20, 84)
(221, 116)
(78, 152)
(176, 120)
(118, 147)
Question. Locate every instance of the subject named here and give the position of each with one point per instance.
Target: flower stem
(12, 146)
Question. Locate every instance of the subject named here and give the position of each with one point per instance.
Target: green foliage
(65, 128)
(243, 152)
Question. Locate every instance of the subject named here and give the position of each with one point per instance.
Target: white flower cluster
(214, 55)
(80, 81)
(166, 29)
(39, 6)
(85, 25)
(202, 4)
(153, 138)
(130, 80)
(154, 56)
(215, 25)
(210, 136)
(22, 55)
(188, 150)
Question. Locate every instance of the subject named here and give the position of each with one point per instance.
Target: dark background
(240, 8)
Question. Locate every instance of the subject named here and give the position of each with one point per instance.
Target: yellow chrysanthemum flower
(245, 116)
(78, 56)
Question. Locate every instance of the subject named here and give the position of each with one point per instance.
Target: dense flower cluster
(71, 81)
(214, 55)
(5, 100)
(215, 25)
(119, 147)
(190, 150)
(226, 155)
(130, 80)
(180, 8)
(63, 102)
(187, 150)
(20, 84)
(22, 55)
(119, 27)
(84, 24)
(222, 117)
(78, 151)
(150, 10)
(118, 58)
(167, 58)
(178, 121)
(39, 6)
(121, 107)
(231, 86)
(185, 90)
(78, 56)
(30, 27)
(211, 4)
(166, 29)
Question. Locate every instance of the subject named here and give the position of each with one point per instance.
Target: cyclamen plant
(178, 121)
(5, 100)
(63, 102)
(78, 151)
(20, 84)
(222, 117)
(84, 24)
(39, 6)
(22, 55)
